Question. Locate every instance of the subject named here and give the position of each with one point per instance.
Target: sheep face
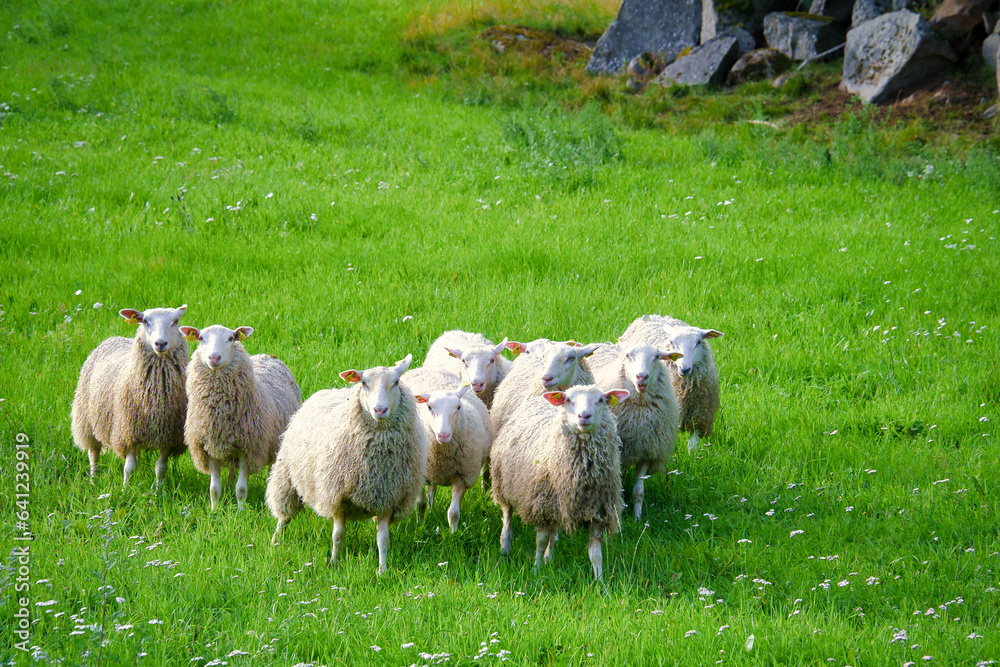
(562, 360)
(379, 388)
(688, 341)
(444, 407)
(157, 326)
(215, 343)
(642, 364)
(479, 364)
(585, 406)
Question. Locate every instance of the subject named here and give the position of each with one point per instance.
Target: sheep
(238, 406)
(350, 454)
(459, 434)
(474, 358)
(130, 396)
(559, 468)
(648, 421)
(694, 376)
(550, 366)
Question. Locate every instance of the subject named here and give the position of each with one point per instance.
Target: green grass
(304, 169)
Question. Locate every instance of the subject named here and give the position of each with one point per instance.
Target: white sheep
(474, 358)
(557, 465)
(459, 434)
(351, 454)
(694, 376)
(130, 396)
(238, 406)
(648, 421)
(549, 366)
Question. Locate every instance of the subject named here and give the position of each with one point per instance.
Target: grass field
(351, 179)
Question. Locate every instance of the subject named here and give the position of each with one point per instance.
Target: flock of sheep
(549, 432)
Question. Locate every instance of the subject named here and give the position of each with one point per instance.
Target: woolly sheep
(350, 454)
(238, 406)
(694, 376)
(647, 422)
(557, 464)
(472, 357)
(130, 396)
(459, 434)
(549, 366)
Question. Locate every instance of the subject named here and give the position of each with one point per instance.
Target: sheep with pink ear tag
(352, 453)
(557, 465)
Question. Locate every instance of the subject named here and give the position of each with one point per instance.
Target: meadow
(352, 179)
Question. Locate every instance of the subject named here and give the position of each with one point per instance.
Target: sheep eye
(231, 338)
(458, 408)
(570, 359)
(490, 362)
(395, 384)
(465, 363)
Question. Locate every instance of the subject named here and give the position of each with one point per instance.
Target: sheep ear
(587, 350)
(190, 334)
(181, 310)
(616, 396)
(711, 333)
(351, 376)
(500, 347)
(133, 316)
(403, 364)
(515, 347)
(556, 398)
(421, 398)
(242, 333)
(460, 392)
(573, 343)
(670, 356)
(454, 353)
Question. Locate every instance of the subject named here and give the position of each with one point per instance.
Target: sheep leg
(457, 492)
(94, 453)
(639, 490)
(552, 541)
(505, 532)
(241, 483)
(542, 536)
(339, 530)
(215, 485)
(277, 530)
(596, 555)
(161, 468)
(382, 539)
(692, 442)
(131, 460)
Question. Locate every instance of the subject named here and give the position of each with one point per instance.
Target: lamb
(647, 422)
(352, 453)
(472, 357)
(694, 376)
(130, 396)
(557, 464)
(459, 434)
(549, 366)
(238, 406)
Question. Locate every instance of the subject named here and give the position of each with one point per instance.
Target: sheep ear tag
(240, 336)
(613, 400)
(350, 376)
(191, 337)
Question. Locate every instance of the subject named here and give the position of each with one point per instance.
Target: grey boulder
(991, 49)
(885, 55)
(866, 10)
(718, 17)
(801, 37)
(839, 10)
(660, 27)
(707, 64)
(757, 65)
(955, 18)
